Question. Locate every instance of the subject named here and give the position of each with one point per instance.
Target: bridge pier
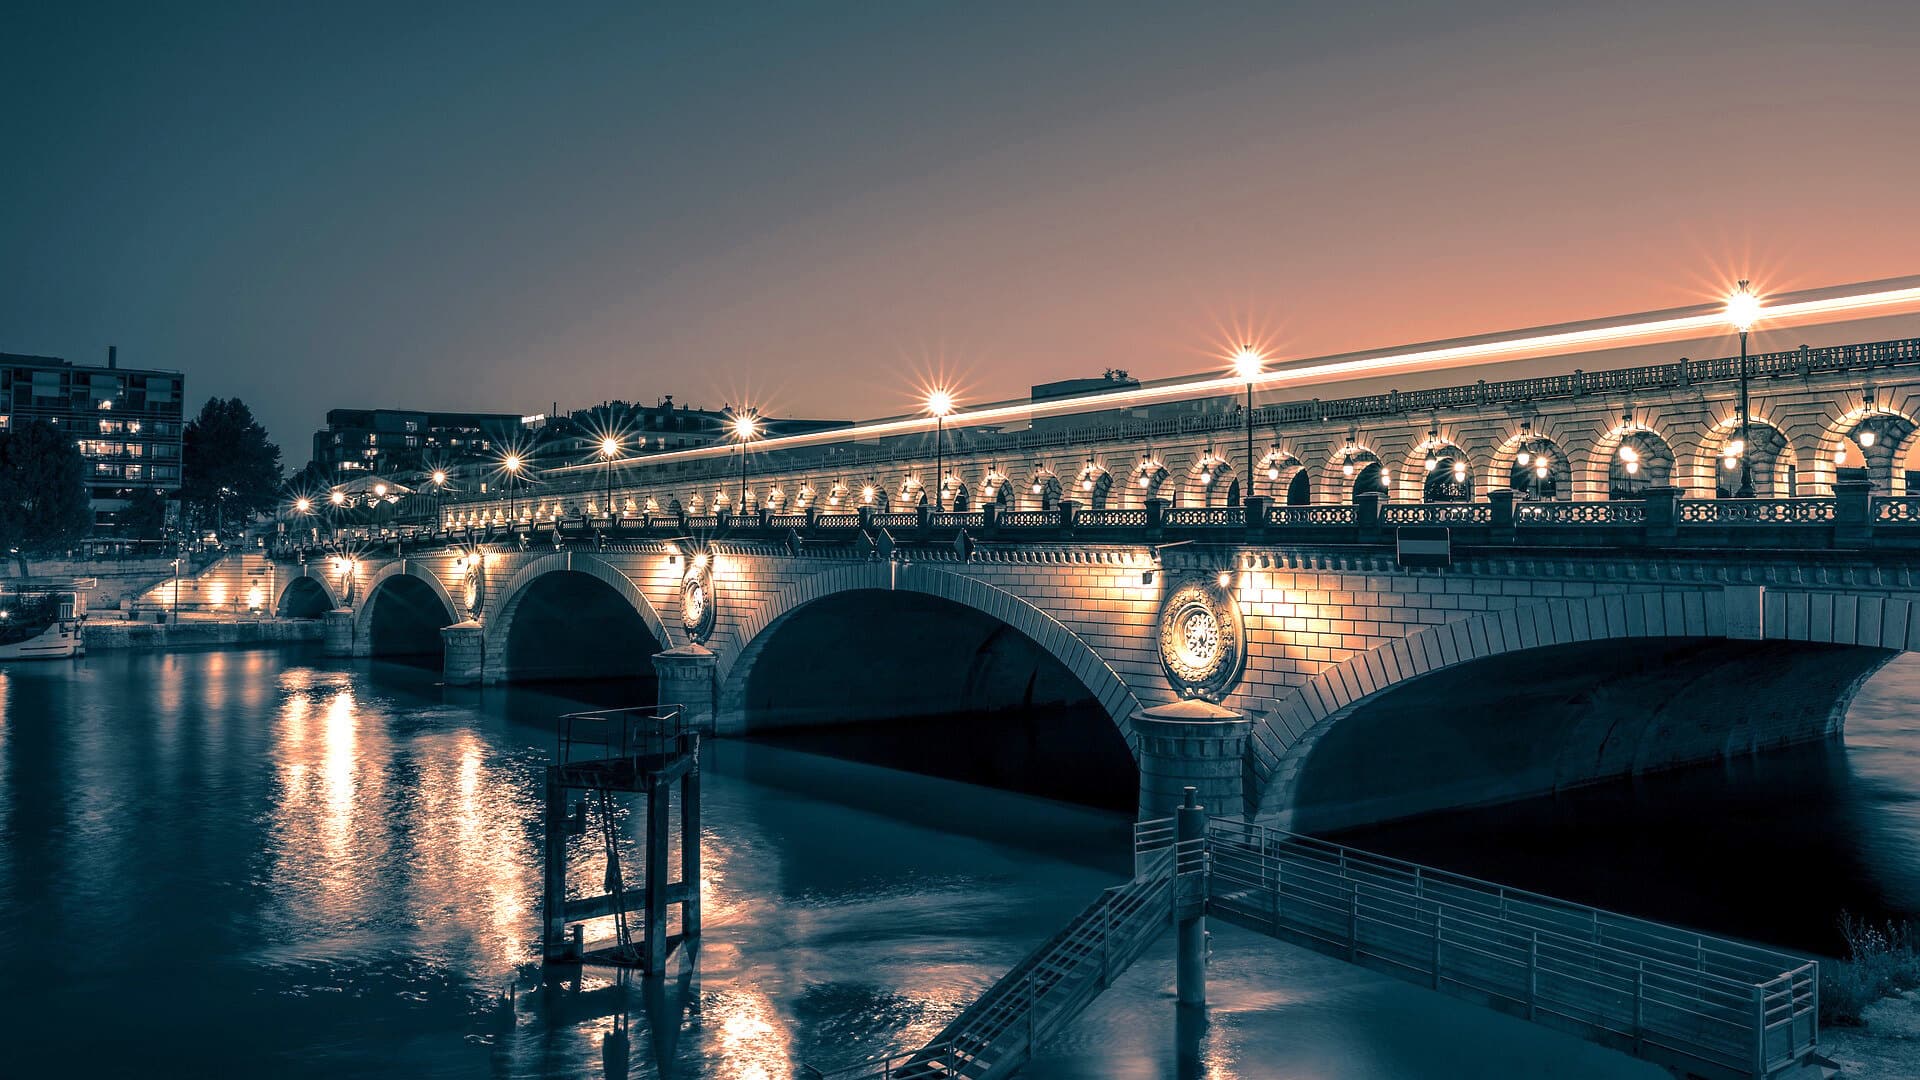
(687, 677)
(466, 653)
(338, 632)
(1188, 746)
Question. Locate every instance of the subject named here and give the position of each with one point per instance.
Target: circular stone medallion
(1200, 640)
(696, 603)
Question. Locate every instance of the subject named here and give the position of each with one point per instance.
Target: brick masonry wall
(1324, 628)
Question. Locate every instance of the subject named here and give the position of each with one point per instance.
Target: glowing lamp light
(1459, 470)
(380, 491)
(1743, 308)
(1432, 463)
(1524, 458)
(511, 463)
(1866, 439)
(609, 447)
(1541, 470)
(1247, 362)
(1633, 467)
(303, 504)
(1346, 468)
(700, 561)
(1036, 487)
(1206, 476)
(1736, 448)
(1729, 462)
(866, 494)
(940, 403)
(1086, 483)
(744, 427)
(1840, 456)
(254, 597)
(1143, 480)
(1225, 579)
(1273, 472)
(338, 498)
(1629, 455)
(439, 476)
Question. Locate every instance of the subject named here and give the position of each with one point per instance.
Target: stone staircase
(234, 585)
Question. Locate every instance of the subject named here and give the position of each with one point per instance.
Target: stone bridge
(1294, 669)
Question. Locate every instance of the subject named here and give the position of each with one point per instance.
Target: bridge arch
(306, 596)
(397, 608)
(1626, 460)
(507, 605)
(1208, 480)
(1531, 438)
(752, 633)
(1565, 692)
(1891, 416)
(1775, 464)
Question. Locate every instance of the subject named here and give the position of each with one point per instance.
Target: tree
(145, 516)
(43, 491)
(228, 464)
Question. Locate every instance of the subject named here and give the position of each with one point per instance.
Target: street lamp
(940, 404)
(512, 465)
(1743, 309)
(609, 449)
(439, 479)
(1246, 364)
(743, 427)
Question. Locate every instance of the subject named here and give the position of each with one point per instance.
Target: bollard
(1190, 975)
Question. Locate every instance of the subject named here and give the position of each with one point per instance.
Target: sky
(821, 208)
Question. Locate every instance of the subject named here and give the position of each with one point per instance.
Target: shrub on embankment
(1881, 961)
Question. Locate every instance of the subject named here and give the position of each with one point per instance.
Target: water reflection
(341, 863)
(265, 864)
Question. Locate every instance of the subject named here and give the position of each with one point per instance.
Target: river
(262, 862)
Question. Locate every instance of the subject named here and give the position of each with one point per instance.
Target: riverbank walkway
(1697, 1005)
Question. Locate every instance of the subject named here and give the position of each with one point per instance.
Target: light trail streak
(1894, 296)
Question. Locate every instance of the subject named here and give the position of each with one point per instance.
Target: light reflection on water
(261, 862)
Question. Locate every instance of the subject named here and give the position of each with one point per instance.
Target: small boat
(43, 622)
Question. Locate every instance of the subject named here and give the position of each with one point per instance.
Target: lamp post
(439, 479)
(1246, 363)
(744, 427)
(512, 465)
(609, 449)
(1743, 308)
(940, 404)
(175, 617)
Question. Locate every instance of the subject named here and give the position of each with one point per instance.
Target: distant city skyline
(377, 208)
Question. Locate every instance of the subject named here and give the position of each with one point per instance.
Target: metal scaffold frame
(641, 750)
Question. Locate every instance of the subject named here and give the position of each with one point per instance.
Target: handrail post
(1438, 915)
(1533, 974)
(1031, 1023)
(1759, 1031)
(1106, 938)
(1639, 1006)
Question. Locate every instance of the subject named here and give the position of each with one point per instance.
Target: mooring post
(554, 909)
(690, 853)
(1190, 823)
(659, 800)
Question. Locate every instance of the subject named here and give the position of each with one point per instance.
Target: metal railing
(1703, 1005)
(999, 1032)
(629, 733)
